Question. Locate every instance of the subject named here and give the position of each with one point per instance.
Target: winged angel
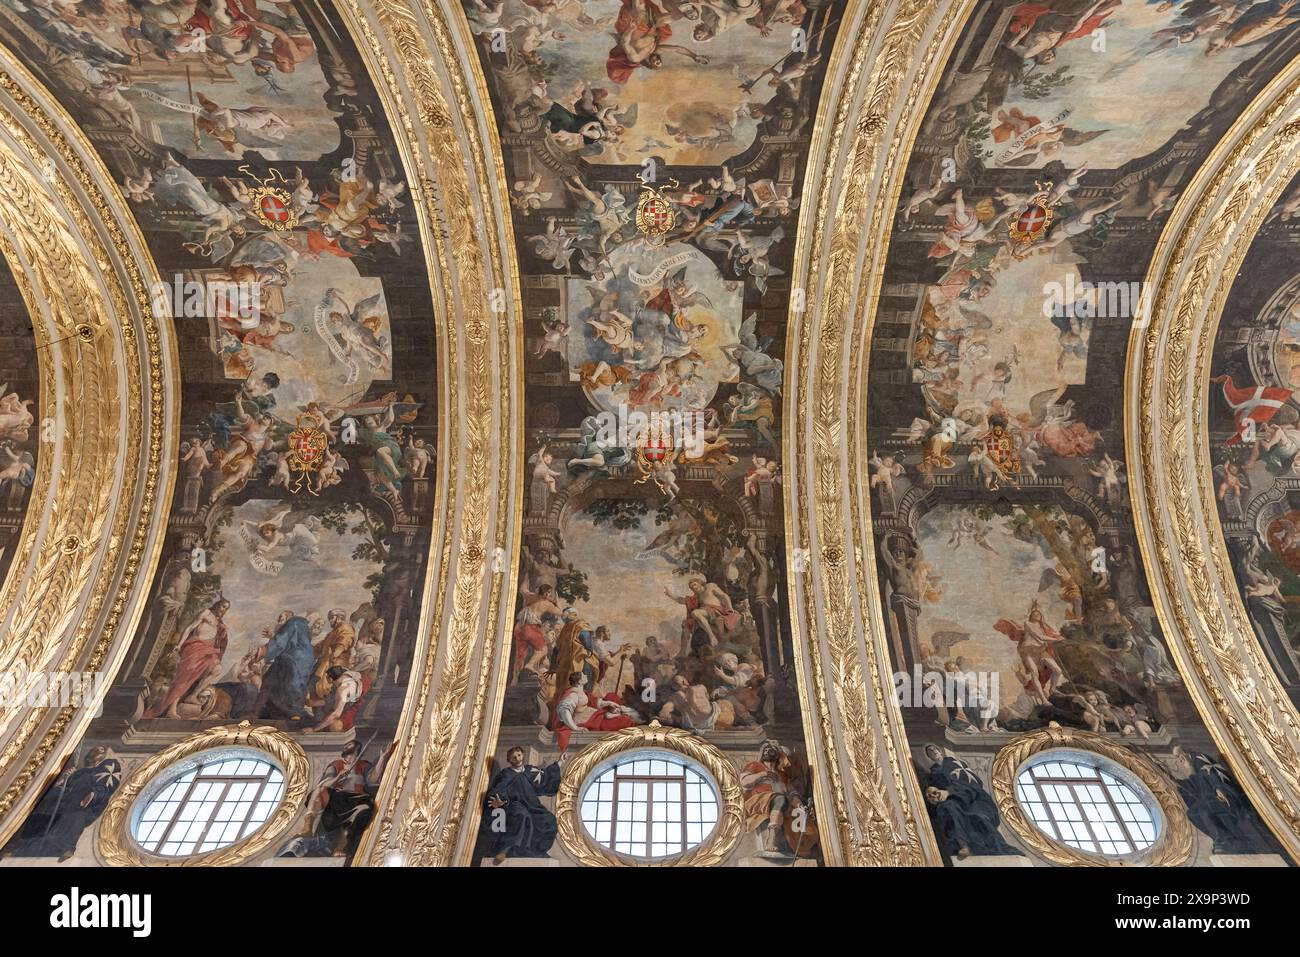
(355, 330)
(301, 541)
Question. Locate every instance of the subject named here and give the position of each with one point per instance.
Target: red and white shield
(1032, 220)
(656, 448)
(273, 209)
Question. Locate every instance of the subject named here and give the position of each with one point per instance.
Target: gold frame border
(1201, 612)
(1173, 846)
(82, 569)
(866, 127)
(413, 52)
(715, 849)
(117, 847)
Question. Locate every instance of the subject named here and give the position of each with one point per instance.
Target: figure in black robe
(560, 119)
(71, 804)
(515, 822)
(1215, 804)
(964, 814)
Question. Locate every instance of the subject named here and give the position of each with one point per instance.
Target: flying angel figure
(358, 328)
(139, 188)
(555, 244)
(680, 528)
(261, 538)
(304, 540)
(303, 197)
(686, 293)
(751, 253)
(767, 371)
(1049, 142)
(923, 195)
(529, 194)
(556, 329)
(388, 191)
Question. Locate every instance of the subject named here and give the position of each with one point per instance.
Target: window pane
(1086, 806)
(651, 810)
(203, 809)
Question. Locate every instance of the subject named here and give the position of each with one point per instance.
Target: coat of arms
(655, 215)
(1003, 449)
(307, 448)
(655, 459)
(1032, 222)
(270, 203)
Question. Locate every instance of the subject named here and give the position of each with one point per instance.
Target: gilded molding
(1173, 846)
(450, 720)
(108, 379)
(117, 848)
(424, 67)
(1201, 612)
(887, 61)
(714, 850)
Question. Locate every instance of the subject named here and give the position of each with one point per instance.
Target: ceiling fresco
(20, 415)
(1254, 425)
(1035, 197)
(261, 169)
(608, 515)
(655, 154)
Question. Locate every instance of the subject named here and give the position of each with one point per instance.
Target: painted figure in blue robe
(515, 822)
(965, 817)
(290, 659)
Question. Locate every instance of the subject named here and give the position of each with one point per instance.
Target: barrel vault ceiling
(971, 324)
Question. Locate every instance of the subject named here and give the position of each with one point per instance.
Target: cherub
(761, 472)
(983, 467)
(665, 476)
(139, 188)
(416, 457)
(388, 191)
(929, 584)
(556, 331)
(529, 195)
(1030, 460)
(1108, 477)
(319, 418)
(1232, 482)
(884, 471)
(281, 476)
(194, 456)
(332, 467)
(303, 197)
(555, 244)
(541, 462)
(261, 538)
